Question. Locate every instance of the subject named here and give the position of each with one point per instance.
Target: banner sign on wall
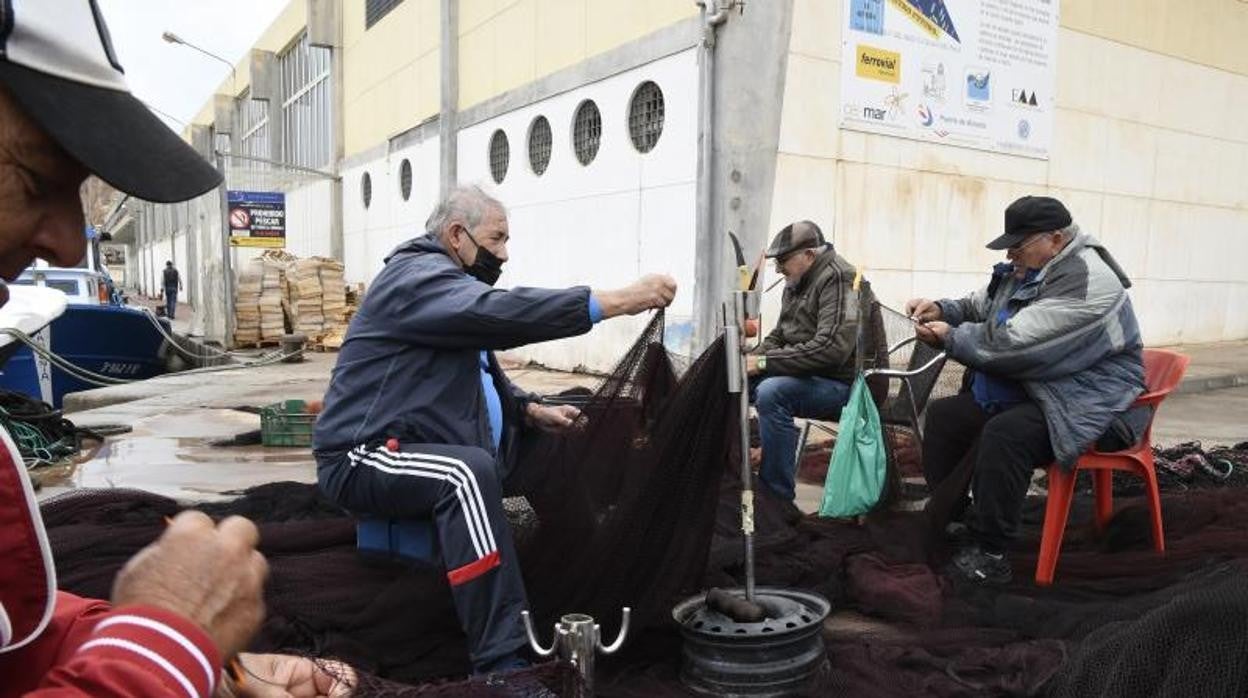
(257, 218)
(974, 73)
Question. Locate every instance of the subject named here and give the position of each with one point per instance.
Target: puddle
(172, 454)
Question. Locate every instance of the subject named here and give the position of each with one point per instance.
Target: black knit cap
(1030, 215)
(795, 236)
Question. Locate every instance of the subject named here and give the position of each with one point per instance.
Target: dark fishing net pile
(641, 509)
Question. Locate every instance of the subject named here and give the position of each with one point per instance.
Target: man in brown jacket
(806, 363)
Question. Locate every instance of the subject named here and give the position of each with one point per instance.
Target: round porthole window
(587, 132)
(405, 179)
(540, 142)
(366, 189)
(500, 156)
(645, 116)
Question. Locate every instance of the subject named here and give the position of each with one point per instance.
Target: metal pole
(227, 268)
(735, 313)
(448, 134)
(708, 278)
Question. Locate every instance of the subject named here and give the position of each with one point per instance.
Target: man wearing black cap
(1054, 353)
(194, 598)
(806, 363)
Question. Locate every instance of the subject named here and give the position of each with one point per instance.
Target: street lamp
(172, 38)
(226, 251)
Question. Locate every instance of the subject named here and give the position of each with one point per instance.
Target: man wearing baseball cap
(194, 598)
(806, 363)
(1054, 356)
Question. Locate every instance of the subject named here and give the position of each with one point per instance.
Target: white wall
(602, 225)
(370, 233)
(308, 222)
(1150, 153)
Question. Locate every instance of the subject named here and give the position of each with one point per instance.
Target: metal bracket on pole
(577, 639)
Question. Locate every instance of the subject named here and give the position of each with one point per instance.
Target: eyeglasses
(783, 259)
(1026, 243)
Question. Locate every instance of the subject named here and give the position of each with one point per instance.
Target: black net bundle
(642, 508)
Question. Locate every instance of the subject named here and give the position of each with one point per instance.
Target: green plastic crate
(286, 423)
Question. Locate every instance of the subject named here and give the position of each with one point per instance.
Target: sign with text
(257, 218)
(974, 73)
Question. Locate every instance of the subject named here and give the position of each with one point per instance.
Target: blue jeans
(171, 301)
(778, 400)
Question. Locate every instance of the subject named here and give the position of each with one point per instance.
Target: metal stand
(577, 639)
(740, 307)
(781, 652)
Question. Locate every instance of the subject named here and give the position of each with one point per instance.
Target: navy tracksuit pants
(458, 488)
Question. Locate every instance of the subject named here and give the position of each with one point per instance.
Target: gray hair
(466, 203)
(1070, 232)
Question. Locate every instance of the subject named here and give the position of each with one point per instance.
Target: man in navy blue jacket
(420, 421)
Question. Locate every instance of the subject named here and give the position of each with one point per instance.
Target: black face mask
(487, 267)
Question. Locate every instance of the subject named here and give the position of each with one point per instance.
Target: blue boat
(97, 332)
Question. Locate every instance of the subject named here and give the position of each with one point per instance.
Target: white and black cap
(57, 60)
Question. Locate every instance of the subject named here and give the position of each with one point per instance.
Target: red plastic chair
(1162, 372)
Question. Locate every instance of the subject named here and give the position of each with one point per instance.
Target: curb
(1205, 384)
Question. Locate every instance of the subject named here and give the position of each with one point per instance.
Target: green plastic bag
(859, 463)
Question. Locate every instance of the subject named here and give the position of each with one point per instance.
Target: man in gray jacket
(806, 363)
(1054, 356)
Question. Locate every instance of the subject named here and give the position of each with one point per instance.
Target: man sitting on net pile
(421, 422)
(806, 362)
(1054, 357)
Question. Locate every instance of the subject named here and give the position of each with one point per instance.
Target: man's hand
(555, 419)
(210, 574)
(751, 364)
(287, 676)
(933, 333)
(647, 293)
(923, 310)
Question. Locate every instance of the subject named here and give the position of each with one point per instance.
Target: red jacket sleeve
(91, 650)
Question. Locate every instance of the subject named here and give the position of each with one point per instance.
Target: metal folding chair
(901, 372)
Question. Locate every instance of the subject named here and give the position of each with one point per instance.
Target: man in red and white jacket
(191, 600)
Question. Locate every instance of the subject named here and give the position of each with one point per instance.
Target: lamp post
(227, 270)
(172, 38)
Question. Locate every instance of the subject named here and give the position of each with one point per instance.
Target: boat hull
(114, 341)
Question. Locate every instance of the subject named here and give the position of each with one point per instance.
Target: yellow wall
(1209, 32)
(390, 71)
(285, 29)
(504, 44)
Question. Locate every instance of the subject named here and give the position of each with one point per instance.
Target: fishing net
(641, 508)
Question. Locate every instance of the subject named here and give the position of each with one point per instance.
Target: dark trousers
(457, 487)
(171, 301)
(998, 452)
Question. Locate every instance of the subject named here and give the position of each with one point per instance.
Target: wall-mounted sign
(257, 218)
(974, 73)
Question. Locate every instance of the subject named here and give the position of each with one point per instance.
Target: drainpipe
(448, 134)
(708, 272)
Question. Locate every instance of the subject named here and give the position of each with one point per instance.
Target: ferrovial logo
(878, 64)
